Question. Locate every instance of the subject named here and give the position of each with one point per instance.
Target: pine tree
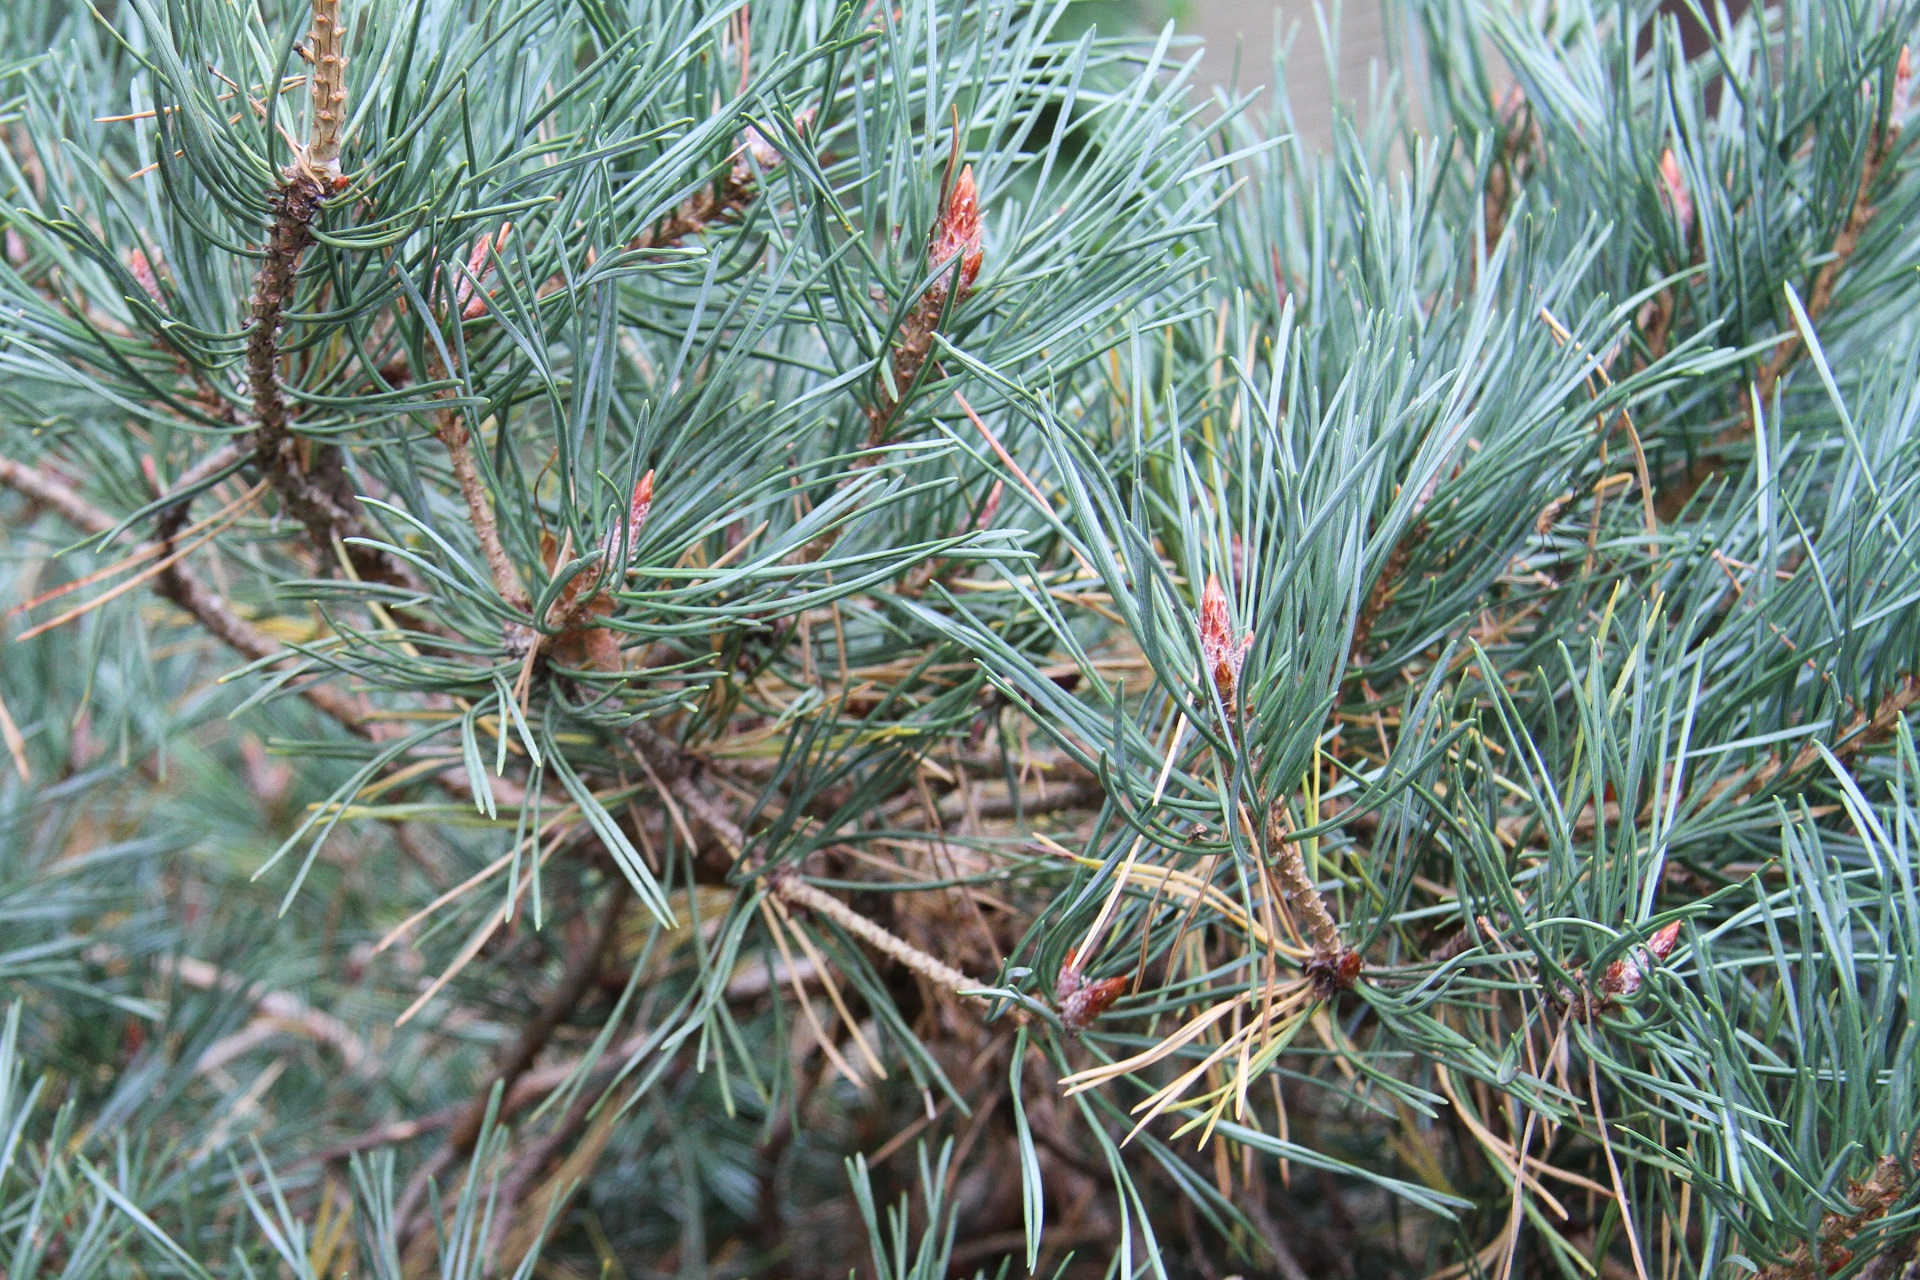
(781, 638)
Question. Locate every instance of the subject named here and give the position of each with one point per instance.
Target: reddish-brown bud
(1219, 650)
(479, 268)
(1625, 976)
(641, 505)
(957, 233)
(1332, 972)
(1080, 1001)
(1673, 190)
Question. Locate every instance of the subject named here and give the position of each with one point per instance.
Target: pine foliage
(702, 637)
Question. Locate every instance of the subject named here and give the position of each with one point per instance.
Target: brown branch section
(1384, 589)
(719, 201)
(463, 1134)
(1867, 728)
(953, 249)
(1872, 1199)
(309, 476)
(1513, 156)
(1859, 216)
(1334, 965)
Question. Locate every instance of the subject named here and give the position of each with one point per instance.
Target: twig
(1755, 397)
(450, 425)
(321, 159)
(309, 476)
(670, 767)
(580, 976)
(1333, 966)
(954, 251)
(1866, 729)
(1384, 589)
(795, 892)
(1859, 215)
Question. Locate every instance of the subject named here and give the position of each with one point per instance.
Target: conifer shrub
(787, 638)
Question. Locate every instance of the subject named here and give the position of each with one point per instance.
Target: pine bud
(1673, 191)
(957, 233)
(1080, 1001)
(1624, 976)
(142, 271)
(637, 511)
(756, 144)
(764, 153)
(479, 267)
(1219, 651)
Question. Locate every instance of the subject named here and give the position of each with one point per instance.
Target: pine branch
(1334, 965)
(320, 161)
(795, 892)
(1872, 1199)
(310, 476)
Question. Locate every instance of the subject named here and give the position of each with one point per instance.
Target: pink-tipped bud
(1625, 976)
(142, 270)
(957, 233)
(479, 267)
(642, 504)
(1673, 190)
(1219, 650)
(637, 510)
(1902, 104)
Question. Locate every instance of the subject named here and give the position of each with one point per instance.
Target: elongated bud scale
(1219, 650)
(990, 508)
(479, 267)
(756, 144)
(1673, 190)
(957, 233)
(764, 153)
(641, 505)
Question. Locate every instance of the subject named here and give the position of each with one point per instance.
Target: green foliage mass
(787, 637)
